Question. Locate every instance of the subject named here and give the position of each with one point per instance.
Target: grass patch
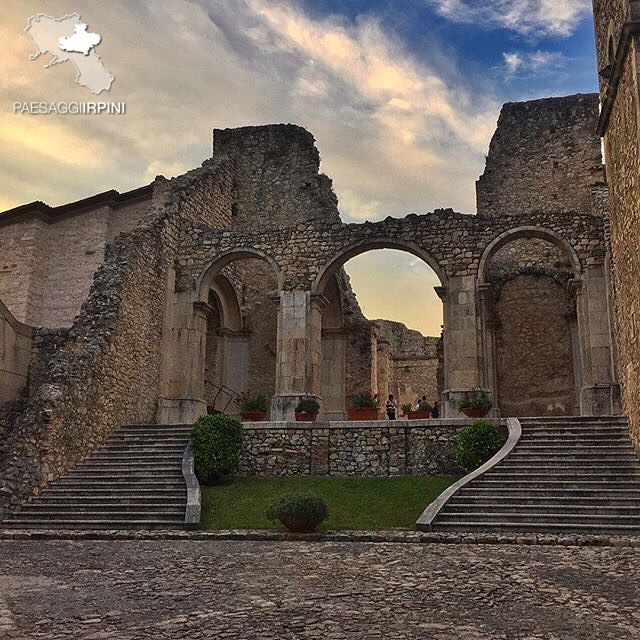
(354, 503)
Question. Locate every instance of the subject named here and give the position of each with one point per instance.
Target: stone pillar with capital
(600, 392)
(299, 351)
(462, 348)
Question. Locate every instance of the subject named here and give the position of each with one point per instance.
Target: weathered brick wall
(371, 449)
(544, 156)
(622, 151)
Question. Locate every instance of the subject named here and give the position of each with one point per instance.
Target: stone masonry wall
(622, 151)
(104, 371)
(544, 156)
(381, 448)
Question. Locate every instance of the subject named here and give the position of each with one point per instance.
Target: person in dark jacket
(435, 410)
(390, 406)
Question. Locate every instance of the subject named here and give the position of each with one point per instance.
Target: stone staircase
(578, 474)
(134, 481)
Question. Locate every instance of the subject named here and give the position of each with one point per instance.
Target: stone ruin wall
(104, 370)
(622, 150)
(544, 156)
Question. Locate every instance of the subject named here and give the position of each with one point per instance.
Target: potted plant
(298, 513)
(423, 412)
(476, 403)
(253, 407)
(365, 407)
(307, 409)
(406, 409)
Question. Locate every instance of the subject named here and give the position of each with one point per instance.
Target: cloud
(396, 133)
(530, 63)
(527, 17)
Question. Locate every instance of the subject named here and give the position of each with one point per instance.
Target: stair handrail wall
(193, 509)
(427, 517)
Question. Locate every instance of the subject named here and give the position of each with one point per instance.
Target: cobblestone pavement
(126, 590)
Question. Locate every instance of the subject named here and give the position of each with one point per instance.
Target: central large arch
(343, 367)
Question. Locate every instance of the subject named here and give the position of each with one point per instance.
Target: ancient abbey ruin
(159, 304)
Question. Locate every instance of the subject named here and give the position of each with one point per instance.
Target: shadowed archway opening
(381, 326)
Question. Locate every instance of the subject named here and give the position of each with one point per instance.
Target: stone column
(383, 373)
(299, 351)
(184, 399)
(600, 393)
(333, 373)
(234, 367)
(461, 342)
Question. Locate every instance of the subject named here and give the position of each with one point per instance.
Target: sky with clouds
(401, 95)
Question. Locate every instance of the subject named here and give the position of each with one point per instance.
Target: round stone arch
(370, 244)
(539, 233)
(207, 277)
(335, 342)
(231, 316)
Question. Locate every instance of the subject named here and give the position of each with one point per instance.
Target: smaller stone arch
(370, 244)
(228, 303)
(518, 233)
(206, 279)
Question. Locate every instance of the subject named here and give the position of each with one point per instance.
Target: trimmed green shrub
(216, 443)
(365, 400)
(298, 512)
(476, 444)
(308, 404)
(406, 407)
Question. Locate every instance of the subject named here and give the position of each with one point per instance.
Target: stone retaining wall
(379, 448)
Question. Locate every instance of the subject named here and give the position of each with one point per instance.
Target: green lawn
(354, 503)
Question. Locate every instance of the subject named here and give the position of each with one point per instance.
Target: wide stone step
(92, 523)
(585, 528)
(495, 498)
(110, 454)
(582, 519)
(568, 461)
(61, 498)
(97, 489)
(562, 475)
(102, 506)
(129, 472)
(564, 484)
(159, 462)
(541, 508)
(82, 514)
(112, 484)
(604, 449)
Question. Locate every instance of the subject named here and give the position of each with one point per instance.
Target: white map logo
(67, 39)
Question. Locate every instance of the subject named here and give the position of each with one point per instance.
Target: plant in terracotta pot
(406, 408)
(365, 406)
(298, 513)
(253, 407)
(423, 412)
(476, 403)
(307, 409)
(216, 442)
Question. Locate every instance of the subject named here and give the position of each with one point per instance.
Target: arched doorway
(372, 346)
(530, 324)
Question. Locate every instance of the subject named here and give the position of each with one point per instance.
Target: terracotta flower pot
(475, 413)
(306, 417)
(299, 526)
(252, 416)
(419, 415)
(368, 413)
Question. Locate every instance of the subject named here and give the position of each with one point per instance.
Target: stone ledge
(433, 423)
(401, 537)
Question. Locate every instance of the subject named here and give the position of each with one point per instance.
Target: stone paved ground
(125, 590)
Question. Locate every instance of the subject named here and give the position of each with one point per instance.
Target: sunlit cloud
(530, 63)
(528, 17)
